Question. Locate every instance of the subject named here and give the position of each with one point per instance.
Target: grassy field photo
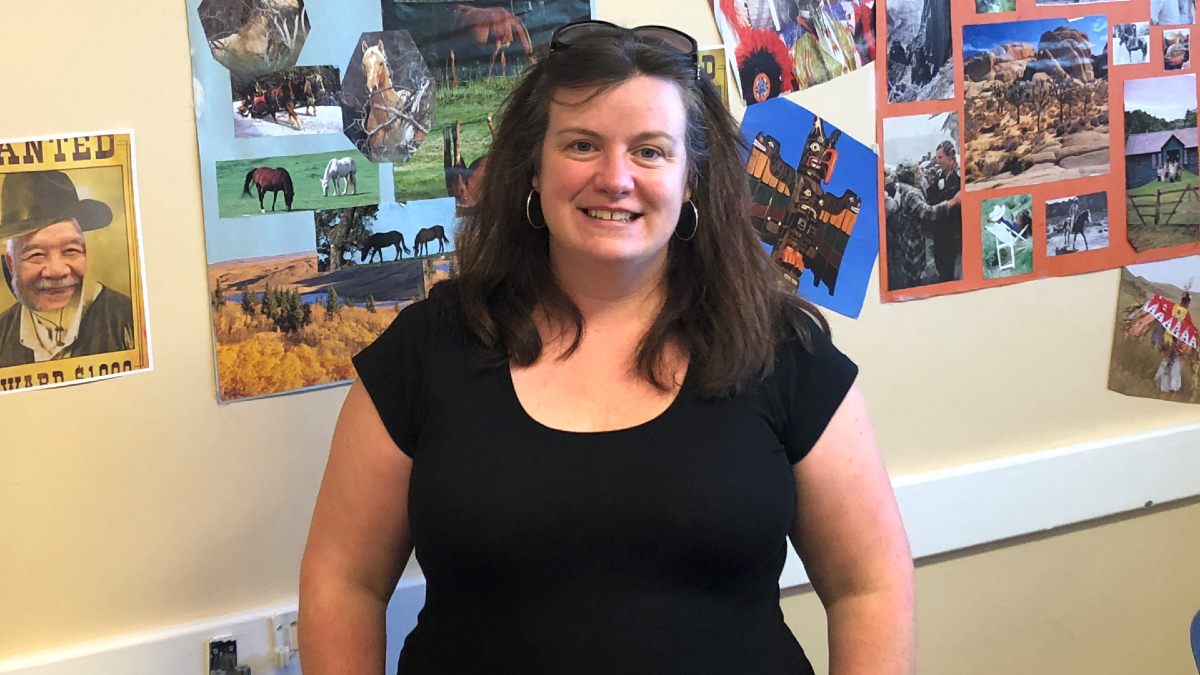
(1161, 203)
(305, 171)
(473, 72)
(1164, 214)
(470, 103)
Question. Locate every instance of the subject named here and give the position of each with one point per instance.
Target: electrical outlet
(222, 656)
(284, 638)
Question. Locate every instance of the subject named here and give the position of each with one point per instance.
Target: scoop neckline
(515, 400)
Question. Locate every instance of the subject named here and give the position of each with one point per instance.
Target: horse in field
(392, 130)
(342, 168)
(494, 26)
(463, 182)
(271, 180)
(427, 234)
(379, 241)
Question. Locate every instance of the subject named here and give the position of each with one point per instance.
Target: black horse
(381, 240)
(1131, 41)
(427, 234)
(1076, 228)
(270, 180)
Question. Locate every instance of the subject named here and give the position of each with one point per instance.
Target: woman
(593, 434)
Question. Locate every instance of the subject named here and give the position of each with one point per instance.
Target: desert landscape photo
(1036, 101)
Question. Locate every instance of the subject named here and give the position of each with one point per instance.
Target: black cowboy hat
(32, 200)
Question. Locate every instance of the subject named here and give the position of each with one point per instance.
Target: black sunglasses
(662, 36)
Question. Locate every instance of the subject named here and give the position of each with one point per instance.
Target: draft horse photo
(271, 101)
(274, 180)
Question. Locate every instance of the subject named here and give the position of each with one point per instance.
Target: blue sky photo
(985, 37)
(1166, 97)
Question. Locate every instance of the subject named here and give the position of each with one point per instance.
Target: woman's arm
(849, 535)
(358, 545)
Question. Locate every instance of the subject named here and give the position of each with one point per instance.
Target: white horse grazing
(340, 167)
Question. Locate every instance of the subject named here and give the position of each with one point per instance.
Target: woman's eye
(582, 146)
(649, 153)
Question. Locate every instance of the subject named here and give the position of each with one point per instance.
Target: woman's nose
(614, 175)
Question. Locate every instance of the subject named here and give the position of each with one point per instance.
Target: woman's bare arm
(849, 534)
(358, 545)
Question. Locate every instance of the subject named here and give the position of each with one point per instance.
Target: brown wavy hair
(725, 302)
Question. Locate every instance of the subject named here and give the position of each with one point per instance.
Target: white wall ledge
(944, 511)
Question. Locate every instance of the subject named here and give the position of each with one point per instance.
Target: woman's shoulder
(420, 323)
(438, 310)
(806, 345)
(801, 326)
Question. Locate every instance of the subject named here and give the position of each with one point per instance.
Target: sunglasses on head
(662, 36)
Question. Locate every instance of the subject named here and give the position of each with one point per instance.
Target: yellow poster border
(72, 152)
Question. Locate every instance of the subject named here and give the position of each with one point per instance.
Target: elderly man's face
(48, 266)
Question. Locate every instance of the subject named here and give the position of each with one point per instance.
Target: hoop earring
(529, 214)
(695, 223)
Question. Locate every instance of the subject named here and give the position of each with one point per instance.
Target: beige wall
(1113, 597)
(139, 502)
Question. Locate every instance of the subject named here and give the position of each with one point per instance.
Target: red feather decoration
(736, 19)
(765, 41)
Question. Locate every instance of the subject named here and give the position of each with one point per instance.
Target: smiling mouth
(614, 216)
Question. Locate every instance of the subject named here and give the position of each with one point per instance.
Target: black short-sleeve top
(652, 549)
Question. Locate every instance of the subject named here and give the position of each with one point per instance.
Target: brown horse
(427, 234)
(462, 182)
(270, 180)
(494, 25)
(389, 124)
(271, 101)
(310, 98)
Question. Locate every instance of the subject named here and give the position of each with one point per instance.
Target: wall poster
(338, 144)
(779, 46)
(812, 203)
(73, 306)
(1024, 139)
(1154, 351)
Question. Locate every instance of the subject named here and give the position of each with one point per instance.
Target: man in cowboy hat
(60, 313)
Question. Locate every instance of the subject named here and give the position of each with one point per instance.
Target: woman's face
(613, 173)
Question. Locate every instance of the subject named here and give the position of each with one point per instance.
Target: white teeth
(622, 216)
